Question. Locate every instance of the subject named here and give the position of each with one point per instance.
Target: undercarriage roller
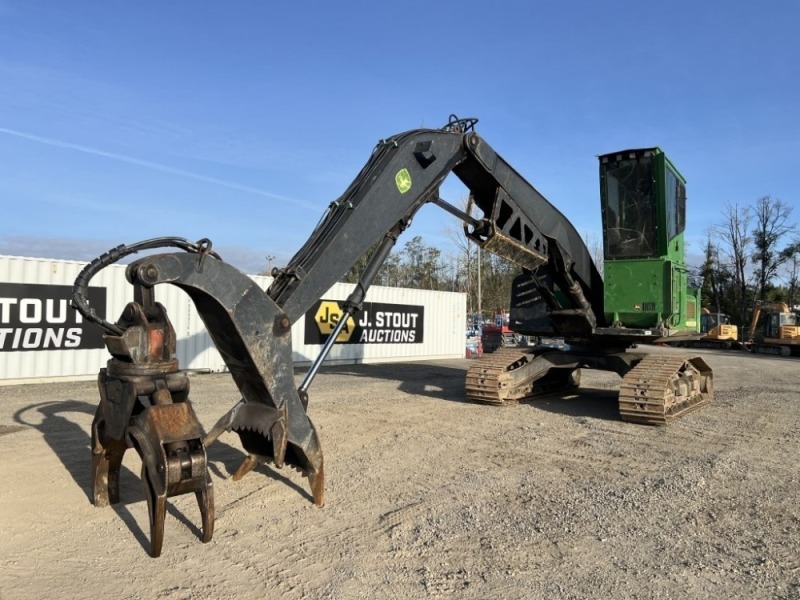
(510, 375)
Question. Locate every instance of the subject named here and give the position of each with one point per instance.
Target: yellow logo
(403, 180)
(328, 315)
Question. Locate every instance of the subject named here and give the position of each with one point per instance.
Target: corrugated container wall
(35, 337)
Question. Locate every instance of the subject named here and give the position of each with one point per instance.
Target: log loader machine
(144, 396)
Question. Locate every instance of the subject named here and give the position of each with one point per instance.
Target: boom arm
(406, 171)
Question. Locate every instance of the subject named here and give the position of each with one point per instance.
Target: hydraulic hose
(80, 300)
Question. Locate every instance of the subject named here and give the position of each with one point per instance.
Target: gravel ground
(428, 496)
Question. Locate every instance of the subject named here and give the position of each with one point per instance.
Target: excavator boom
(406, 171)
(774, 329)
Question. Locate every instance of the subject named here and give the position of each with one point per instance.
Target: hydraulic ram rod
(353, 302)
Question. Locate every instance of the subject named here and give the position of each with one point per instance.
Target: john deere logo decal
(403, 180)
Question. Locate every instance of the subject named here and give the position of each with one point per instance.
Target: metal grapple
(144, 396)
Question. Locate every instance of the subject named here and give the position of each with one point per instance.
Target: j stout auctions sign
(376, 324)
(39, 317)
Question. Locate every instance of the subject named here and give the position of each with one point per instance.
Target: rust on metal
(144, 404)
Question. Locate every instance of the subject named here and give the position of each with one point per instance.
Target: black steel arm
(253, 337)
(406, 171)
(402, 174)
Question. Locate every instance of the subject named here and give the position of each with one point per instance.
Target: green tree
(497, 275)
(791, 257)
(771, 226)
(422, 265)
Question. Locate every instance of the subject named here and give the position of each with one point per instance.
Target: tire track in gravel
(448, 565)
(748, 431)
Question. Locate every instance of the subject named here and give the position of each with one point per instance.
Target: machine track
(509, 375)
(661, 388)
(657, 390)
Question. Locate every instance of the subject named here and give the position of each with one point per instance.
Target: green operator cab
(643, 200)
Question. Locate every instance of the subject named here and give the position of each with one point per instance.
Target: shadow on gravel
(72, 445)
(593, 403)
(447, 383)
(68, 441)
(231, 458)
(423, 379)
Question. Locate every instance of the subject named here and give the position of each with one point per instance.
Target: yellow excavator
(778, 333)
(718, 331)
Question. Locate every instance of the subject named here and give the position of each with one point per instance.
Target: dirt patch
(429, 496)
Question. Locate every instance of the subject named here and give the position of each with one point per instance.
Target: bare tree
(467, 260)
(771, 225)
(735, 232)
(595, 246)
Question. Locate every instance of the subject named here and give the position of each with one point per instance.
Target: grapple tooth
(166, 436)
(205, 500)
(317, 482)
(156, 511)
(225, 423)
(107, 455)
(249, 463)
(279, 435)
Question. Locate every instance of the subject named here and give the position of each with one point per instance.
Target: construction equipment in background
(716, 332)
(559, 294)
(773, 329)
(497, 334)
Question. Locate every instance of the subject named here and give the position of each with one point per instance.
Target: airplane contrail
(152, 165)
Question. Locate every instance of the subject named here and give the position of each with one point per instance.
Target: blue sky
(240, 122)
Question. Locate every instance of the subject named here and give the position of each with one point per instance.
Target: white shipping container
(443, 328)
(22, 357)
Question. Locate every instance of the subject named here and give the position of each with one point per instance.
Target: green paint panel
(643, 199)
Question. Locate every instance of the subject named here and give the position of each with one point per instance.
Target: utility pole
(270, 258)
(480, 312)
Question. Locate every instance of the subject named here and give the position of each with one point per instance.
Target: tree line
(752, 254)
(421, 266)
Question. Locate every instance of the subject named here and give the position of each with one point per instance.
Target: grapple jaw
(253, 336)
(144, 404)
(144, 396)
